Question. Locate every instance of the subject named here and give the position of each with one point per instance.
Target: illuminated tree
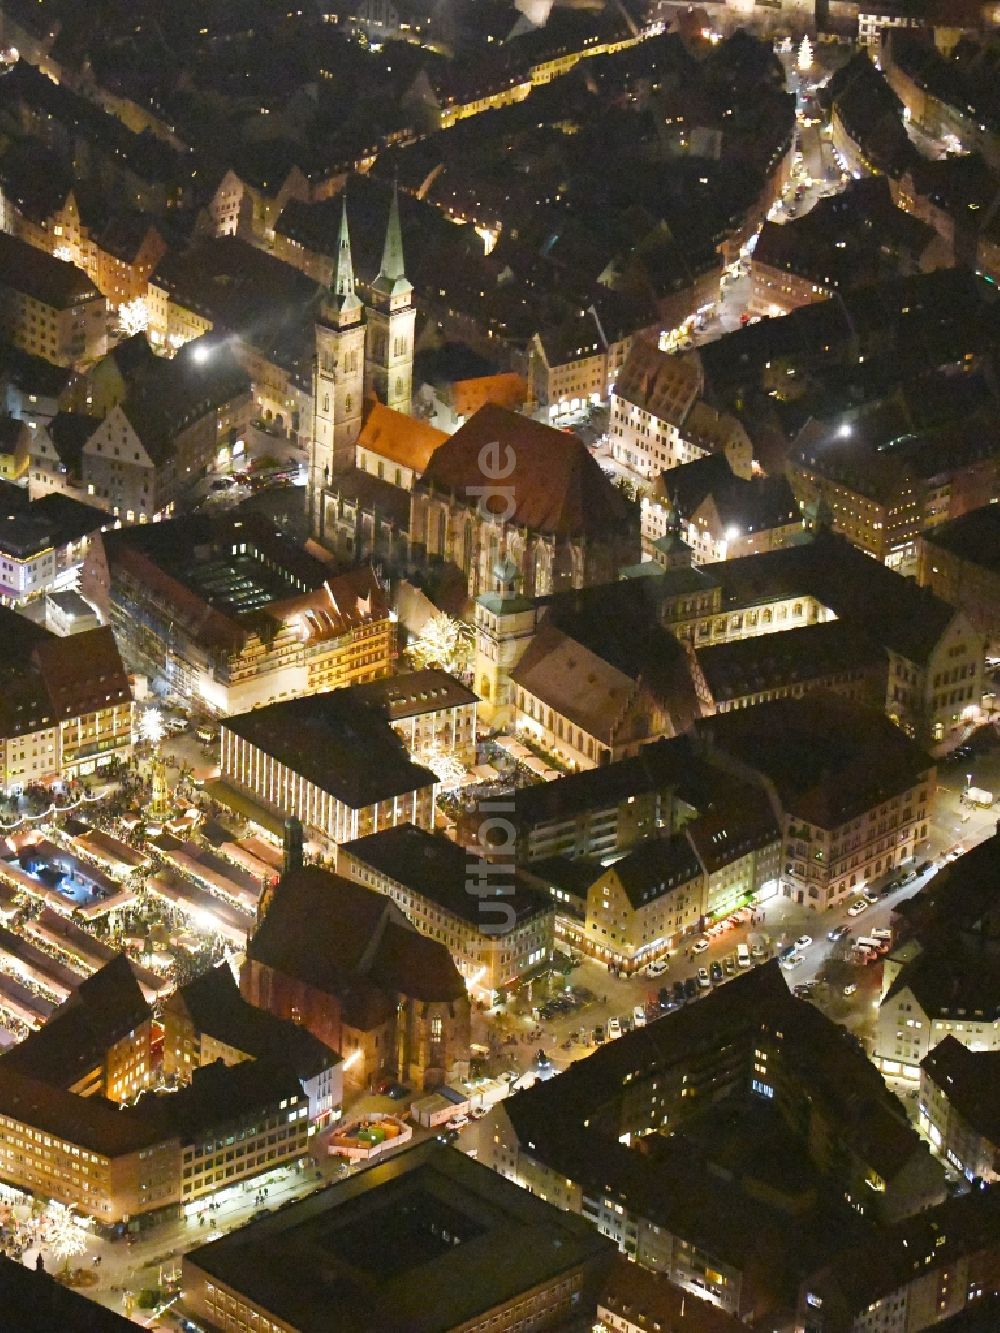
(64, 1236)
(443, 642)
(445, 767)
(133, 317)
(805, 56)
(151, 726)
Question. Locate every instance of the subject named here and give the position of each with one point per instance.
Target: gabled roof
(663, 384)
(106, 1007)
(51, 281)
(894, 610)
(339, 937)
(215, 1006)
(555, 484)
(655, 867)
(953, 978)
(400, 438)
(970, 1081)
(807, 655)
(46, 678)
(69, 432)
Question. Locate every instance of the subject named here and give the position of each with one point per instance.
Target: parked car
(614, 1028)
(656, 968)
(856, 908)
(700, 945)
(599, 1035)
(704, 980)
(729, 965)
(639, 1016)
(715, 972)
(691, 988)
(679, 991)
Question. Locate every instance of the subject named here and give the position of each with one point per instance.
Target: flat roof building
(338, 766)
(425, 1242)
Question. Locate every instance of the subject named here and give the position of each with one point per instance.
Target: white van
(743, 955)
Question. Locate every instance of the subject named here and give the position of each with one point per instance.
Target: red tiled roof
(555, 484)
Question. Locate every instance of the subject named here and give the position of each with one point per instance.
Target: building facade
(338, 767)
(388, 998)
(50, 309)
(658, 419)
(73, 712)
(498, 935)
(159, 587)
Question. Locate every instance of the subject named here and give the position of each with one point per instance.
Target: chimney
(292, 845)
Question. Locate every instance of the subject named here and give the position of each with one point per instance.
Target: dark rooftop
(970, 1081)
(348, 940)
(37, 1302)
(215, 1006)
(369, 1254)
(807, 656)
(830, 759)
(341, 748)
(441, 871)
(53, 282)
(106, 1007)
(975, 537)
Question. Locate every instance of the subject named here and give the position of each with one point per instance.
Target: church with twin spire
(364, 352)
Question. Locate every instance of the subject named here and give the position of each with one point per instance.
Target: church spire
(345, 299)
(392, 251)
(391, 280)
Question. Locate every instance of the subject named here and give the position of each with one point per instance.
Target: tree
(65, 1238)
(133, 317)
(445, 767)
(443, 642)
(805, 56)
